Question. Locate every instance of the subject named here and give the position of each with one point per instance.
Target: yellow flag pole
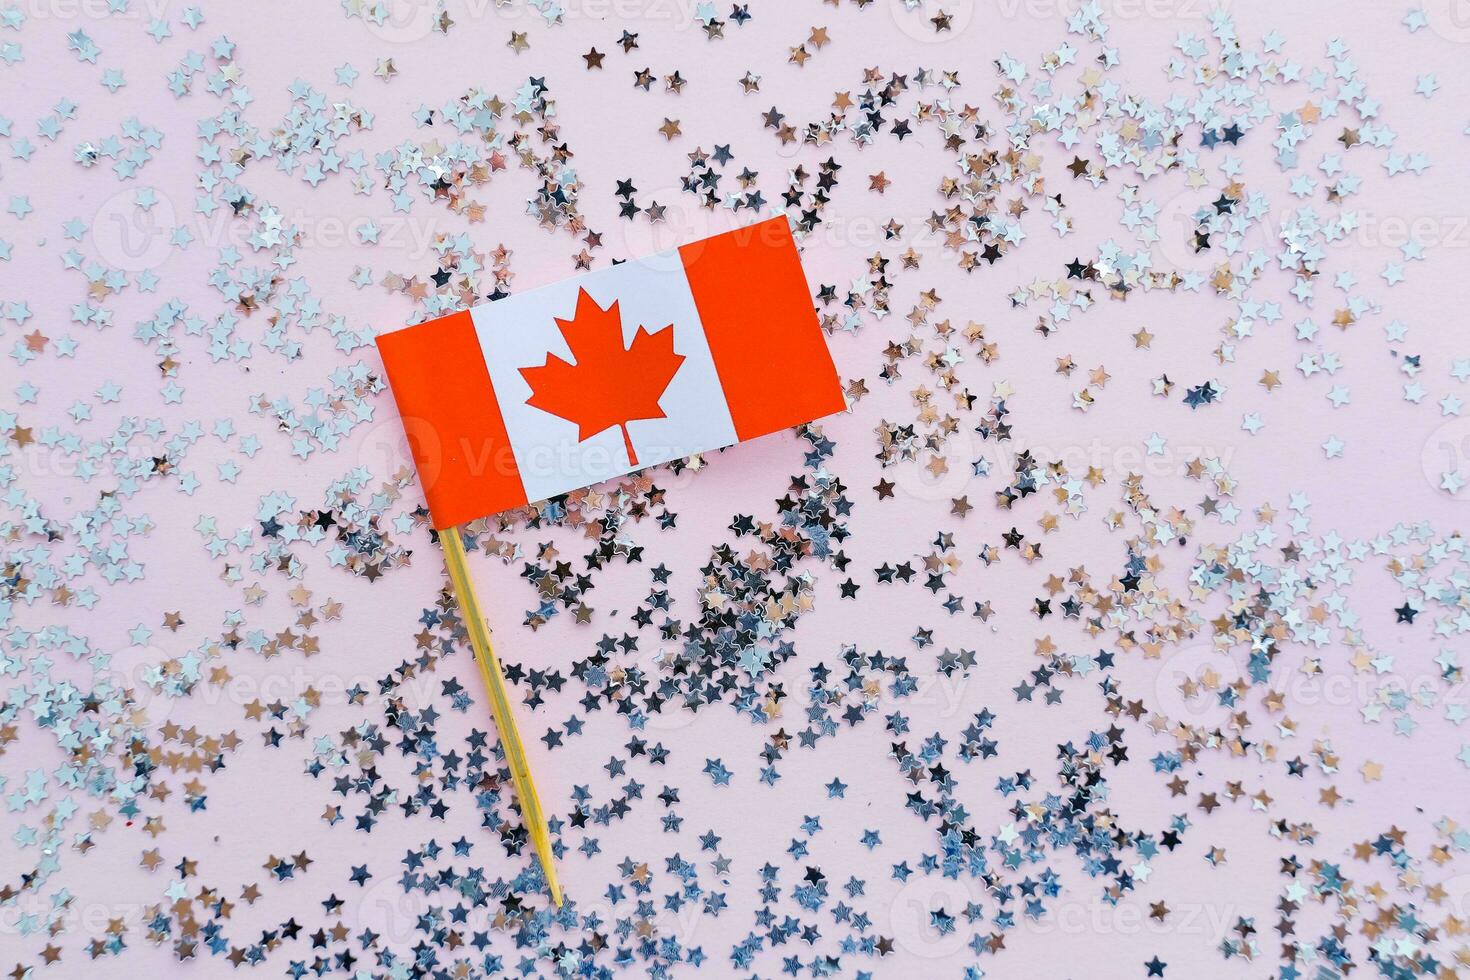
(510, 739)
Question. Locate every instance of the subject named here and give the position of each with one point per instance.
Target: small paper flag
(561, 387)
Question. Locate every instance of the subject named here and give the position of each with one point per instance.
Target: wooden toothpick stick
(452, 540)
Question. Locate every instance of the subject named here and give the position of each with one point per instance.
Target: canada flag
(561, 387)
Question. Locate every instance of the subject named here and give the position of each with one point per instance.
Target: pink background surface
(263, 804)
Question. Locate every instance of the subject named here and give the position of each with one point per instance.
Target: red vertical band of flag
(763, 333)
(455, 429)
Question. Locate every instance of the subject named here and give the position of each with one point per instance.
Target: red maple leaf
(608, 385)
